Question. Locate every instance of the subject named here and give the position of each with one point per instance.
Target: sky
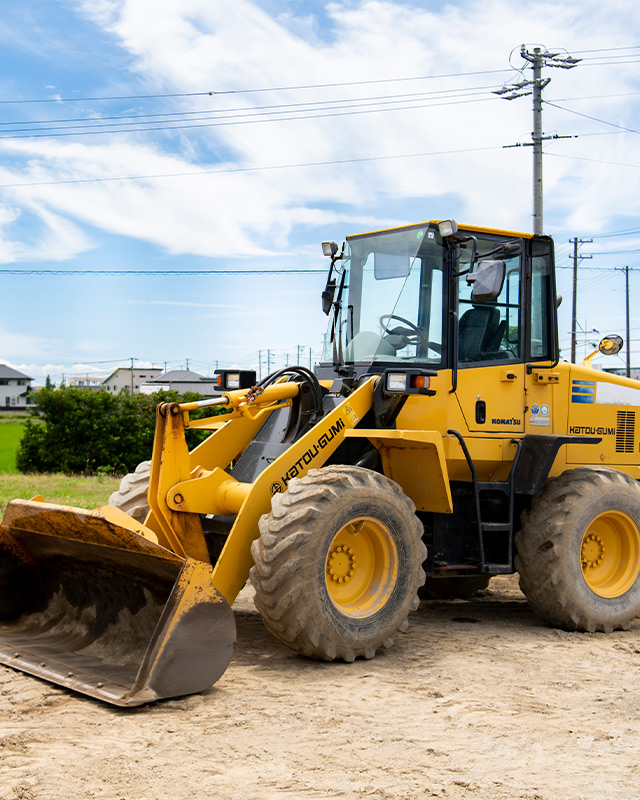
(231, 139)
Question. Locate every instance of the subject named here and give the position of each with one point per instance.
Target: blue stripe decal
(583, 389)
(583, 398)
(583, 383)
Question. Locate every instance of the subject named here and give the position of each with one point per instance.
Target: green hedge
(83, 431)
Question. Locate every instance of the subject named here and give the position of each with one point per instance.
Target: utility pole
(538, 59)
(538, 86)
(574, 307)
(132, 376)
(260, 365)
(626, 274)
(298, 354)
(268, 362)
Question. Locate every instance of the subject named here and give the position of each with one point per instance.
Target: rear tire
(579, 551)
(131, 497)
(338, 563)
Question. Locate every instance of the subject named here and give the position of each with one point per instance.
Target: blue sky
(169, 178)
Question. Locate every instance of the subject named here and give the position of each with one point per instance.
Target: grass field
(76, 490)
(80, 491)
(11, 430)
(9, 439)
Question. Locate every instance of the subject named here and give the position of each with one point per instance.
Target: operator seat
(479, 334)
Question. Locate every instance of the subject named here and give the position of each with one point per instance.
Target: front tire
(579, 551)
(338, 563)
(131, 496)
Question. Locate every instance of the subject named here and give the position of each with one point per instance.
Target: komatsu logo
(587, 429)
(511, 421)
(307, 457)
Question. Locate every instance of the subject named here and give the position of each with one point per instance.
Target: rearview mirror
(327, 296)
(487, 280)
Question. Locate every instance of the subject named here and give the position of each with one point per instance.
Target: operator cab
(436, 296)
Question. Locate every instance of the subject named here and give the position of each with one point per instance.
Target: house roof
(8, 372)
(178, 376)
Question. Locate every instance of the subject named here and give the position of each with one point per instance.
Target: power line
(163, 271)
(609, 49)
(592, 160)
(592, 63)
(584, 97)
(169, 272)
(623, 232)
(246, 169)
(227, 122)
(588, 116)
(399, 97)
(214, 93)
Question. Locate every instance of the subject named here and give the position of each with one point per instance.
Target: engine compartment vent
(625, 432)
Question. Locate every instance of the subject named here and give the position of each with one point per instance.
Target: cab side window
(490, 331)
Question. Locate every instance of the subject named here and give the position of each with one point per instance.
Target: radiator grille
(625, 431)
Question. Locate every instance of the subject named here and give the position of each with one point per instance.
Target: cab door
(490, 385)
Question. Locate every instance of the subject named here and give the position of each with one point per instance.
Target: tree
(81, 431)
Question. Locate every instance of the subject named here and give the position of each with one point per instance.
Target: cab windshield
(391, 306)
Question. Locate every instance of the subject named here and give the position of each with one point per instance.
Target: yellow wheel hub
(361, 567)
(610, 554)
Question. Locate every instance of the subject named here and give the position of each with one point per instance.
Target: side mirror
(487, 281)
(327, 296)
(611, 344)
(608, 346)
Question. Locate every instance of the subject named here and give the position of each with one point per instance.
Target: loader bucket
(89, 603)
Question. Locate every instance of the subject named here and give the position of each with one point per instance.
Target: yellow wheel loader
(440, 440)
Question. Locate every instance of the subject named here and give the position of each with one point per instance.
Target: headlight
(411, 381)
(227, 380)
(447, 227)
(396, 381)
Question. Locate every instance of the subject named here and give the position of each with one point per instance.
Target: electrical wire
(623, 232)
(214, 93)
(228, 122)
(588, 116)
(399, 97)
(592, 160)
(608, 49)
(267, 168)
(292, 271)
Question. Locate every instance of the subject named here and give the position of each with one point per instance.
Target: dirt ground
(478, 699)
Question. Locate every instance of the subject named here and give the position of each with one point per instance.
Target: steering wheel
(413, 336)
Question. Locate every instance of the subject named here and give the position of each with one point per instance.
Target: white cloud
(196, 45)
(54, 237)
(14, 343)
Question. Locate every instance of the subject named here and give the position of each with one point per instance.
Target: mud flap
(89, 601)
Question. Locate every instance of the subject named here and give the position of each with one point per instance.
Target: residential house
(86, 382)
(182, 380)
(129, 379)
(15, 394)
